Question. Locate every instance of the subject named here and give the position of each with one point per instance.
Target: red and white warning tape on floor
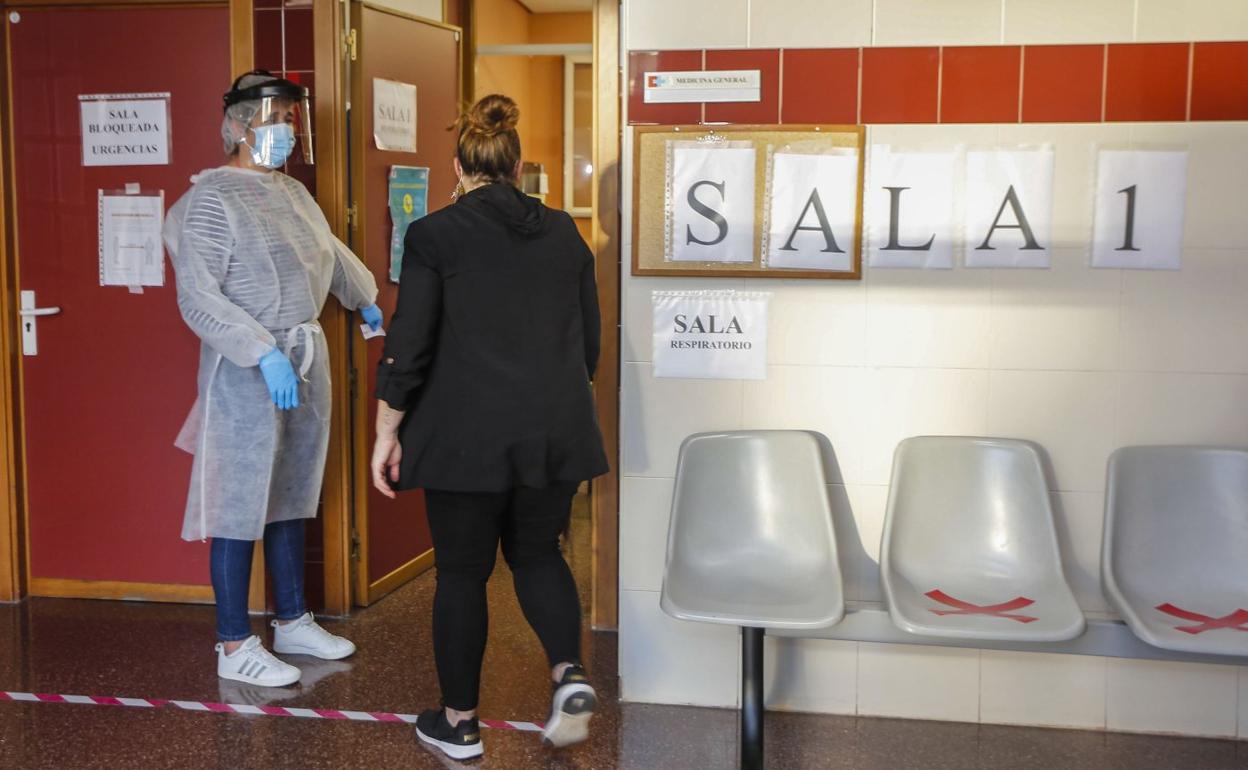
(235, 708)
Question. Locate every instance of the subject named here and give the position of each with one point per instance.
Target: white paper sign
(125, 129)
(131, 251)
(1140, 201)
(710, 334)
(910, 209)
(712, 204)
(699, 86)
(812, 211)
(394, 115)
(1009, 208)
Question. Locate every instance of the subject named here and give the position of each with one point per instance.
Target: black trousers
(467, 528)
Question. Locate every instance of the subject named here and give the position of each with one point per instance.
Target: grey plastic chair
(751, 544)
(969, 548)
(1176, 535)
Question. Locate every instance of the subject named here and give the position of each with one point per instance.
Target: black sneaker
(573, 705)
(463, 741)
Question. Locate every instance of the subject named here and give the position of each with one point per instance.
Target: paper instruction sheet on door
(394, 115)
(131, 251)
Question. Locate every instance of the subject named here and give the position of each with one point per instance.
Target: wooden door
(114, 376)
(393, 536)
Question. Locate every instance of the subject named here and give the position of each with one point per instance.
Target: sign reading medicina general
(710, 334)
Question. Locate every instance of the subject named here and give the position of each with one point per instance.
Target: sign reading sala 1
(125, 129)
(757, 204)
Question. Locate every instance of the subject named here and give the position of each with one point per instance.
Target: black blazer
(492, 348)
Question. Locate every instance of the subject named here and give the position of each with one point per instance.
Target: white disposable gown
(255, 261)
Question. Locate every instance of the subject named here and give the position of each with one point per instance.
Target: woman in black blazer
(485, 403)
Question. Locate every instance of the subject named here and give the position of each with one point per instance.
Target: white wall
(1081, 361)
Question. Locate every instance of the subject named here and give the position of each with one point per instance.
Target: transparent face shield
(282, 121)
(281, 126)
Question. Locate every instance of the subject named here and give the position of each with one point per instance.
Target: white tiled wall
(898, 680)
(676, 24)
(1070, 414)
(949, 22)
(1081, 361)
(659, 24)
(819, 675)
(810, 24)
(1162, 20)
(1069, 21)
(1045, 690)
(1243, 698)
(1156, 696)
(670, 661)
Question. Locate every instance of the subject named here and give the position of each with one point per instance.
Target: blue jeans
(231, 577)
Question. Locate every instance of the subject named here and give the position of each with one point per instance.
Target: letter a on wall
(1009, 208)
(1140, 198)
(811, 214)
(710, 204)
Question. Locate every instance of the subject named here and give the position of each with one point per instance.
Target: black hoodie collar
(521, 213)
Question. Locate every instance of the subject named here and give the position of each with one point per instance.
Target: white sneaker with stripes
(305, 636)
(253, 664)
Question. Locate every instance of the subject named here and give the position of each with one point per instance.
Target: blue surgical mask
(273, 145)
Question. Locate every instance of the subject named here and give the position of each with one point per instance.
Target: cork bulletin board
(651, 159)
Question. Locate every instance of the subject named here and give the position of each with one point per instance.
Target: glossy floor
(165, 651)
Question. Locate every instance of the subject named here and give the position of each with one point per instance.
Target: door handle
(28, 313)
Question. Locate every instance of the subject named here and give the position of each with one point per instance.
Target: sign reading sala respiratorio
(125, 129)
(710, 334)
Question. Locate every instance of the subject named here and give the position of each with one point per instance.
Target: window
(578, 135)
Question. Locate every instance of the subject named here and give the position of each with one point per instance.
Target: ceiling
(558, 6)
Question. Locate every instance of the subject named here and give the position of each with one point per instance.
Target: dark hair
(488, 145)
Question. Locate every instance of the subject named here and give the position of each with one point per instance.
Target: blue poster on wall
(409, 187)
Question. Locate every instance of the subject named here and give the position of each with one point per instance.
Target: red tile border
(641, 62)
(1063, 83)
(1220, 81)
(899, 85)
(820, 85)
(1147, 81)
(767, 109)
(980, 84)
(1081, 83)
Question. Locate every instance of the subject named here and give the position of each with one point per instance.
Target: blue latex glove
(372, 317)
(280, 376)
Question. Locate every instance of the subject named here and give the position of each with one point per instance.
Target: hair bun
(493, 115)
(488, 144)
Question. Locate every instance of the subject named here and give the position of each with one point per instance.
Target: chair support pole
(751, 698)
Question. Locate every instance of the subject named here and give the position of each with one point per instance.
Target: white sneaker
(305, 637)
(253, 664)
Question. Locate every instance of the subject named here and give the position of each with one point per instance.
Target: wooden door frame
(605, 501)
(12, 529)
(16, 582)
(330, 53)
(605, 496)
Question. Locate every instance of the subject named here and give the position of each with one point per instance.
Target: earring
(458, 191)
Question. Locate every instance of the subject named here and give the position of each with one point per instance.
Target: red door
(114, 375)
(394, 534)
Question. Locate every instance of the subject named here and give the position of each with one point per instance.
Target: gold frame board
(649, 198)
